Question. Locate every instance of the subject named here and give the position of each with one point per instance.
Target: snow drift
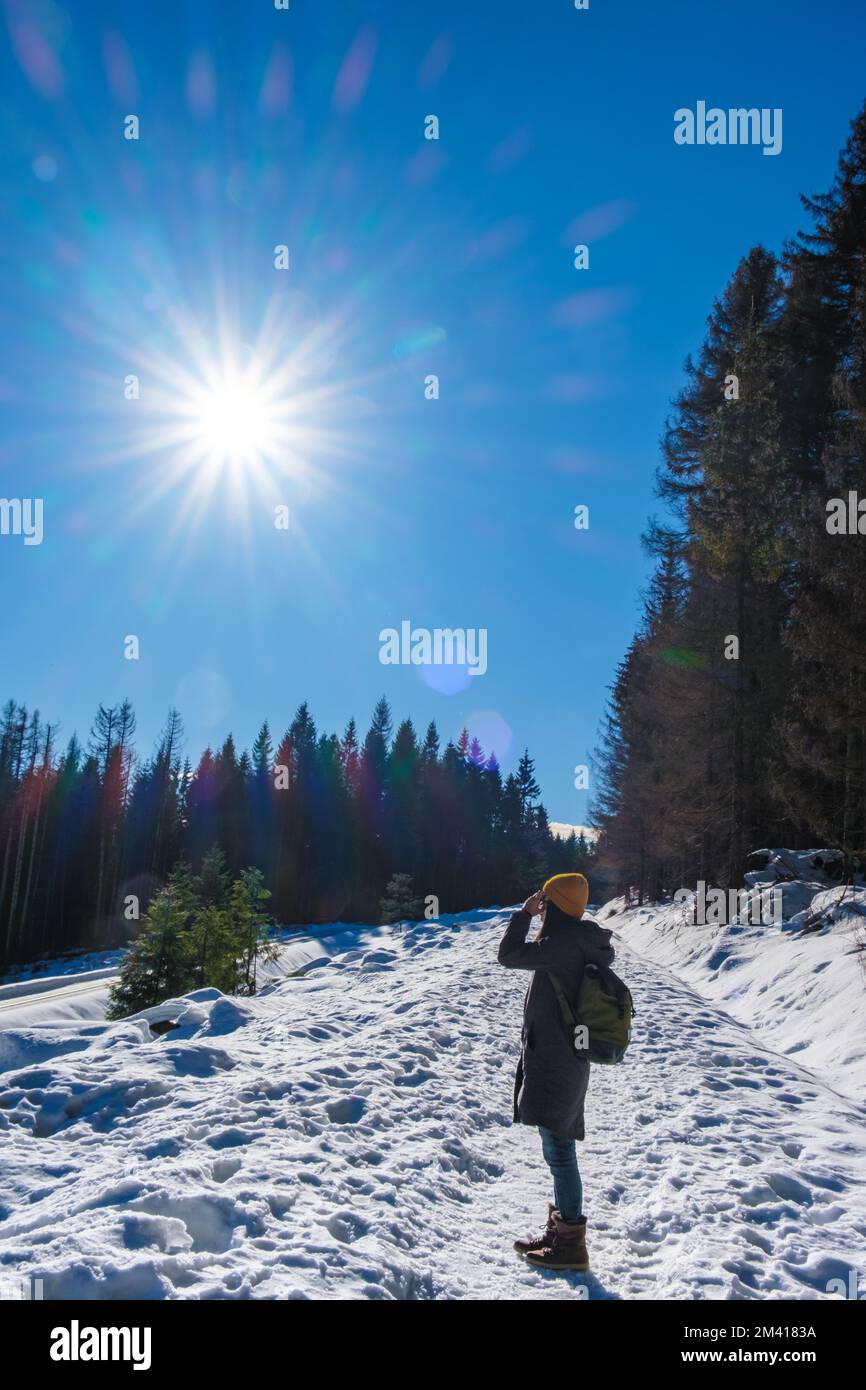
(800, 986)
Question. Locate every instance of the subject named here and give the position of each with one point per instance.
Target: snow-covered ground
(800, 986)
(347, 1134)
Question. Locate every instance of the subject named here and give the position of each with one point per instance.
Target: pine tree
(526, 783)
(247, 935)
(399, 901)
(158, 965)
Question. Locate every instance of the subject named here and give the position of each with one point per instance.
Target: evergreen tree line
(90, 836)
(713, 747)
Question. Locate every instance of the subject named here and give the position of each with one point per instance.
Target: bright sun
(245, 422)
(234, 422)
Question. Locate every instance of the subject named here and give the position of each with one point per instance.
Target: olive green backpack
(600, 1023)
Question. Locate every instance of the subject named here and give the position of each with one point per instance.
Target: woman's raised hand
(534, 903)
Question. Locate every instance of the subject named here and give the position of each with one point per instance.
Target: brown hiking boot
(523, 1247)
(567, 1250)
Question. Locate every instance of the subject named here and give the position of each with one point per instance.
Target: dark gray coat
(551, 1081)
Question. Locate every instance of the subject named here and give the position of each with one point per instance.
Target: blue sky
(407, 257)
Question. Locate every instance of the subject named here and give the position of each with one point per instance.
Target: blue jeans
(561, 1157)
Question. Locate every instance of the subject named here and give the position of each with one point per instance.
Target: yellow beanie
(570, 892)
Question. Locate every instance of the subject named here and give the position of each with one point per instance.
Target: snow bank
(72, 963)
(800, 986)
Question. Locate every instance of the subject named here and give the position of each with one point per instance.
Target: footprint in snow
(347, 1227)
(225, 1168)
(378, 960)
(789, 1189)
(319, 1033)
(791, 1149)
(231, 1138)
(194, 1059)
(346, 1111)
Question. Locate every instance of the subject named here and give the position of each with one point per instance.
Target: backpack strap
(564, 1006)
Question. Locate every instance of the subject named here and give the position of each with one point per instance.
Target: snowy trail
(19, 995)
(347, 1134)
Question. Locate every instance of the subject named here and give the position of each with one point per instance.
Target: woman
(551, 1081)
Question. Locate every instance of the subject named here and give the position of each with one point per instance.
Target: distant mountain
(563, 829)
